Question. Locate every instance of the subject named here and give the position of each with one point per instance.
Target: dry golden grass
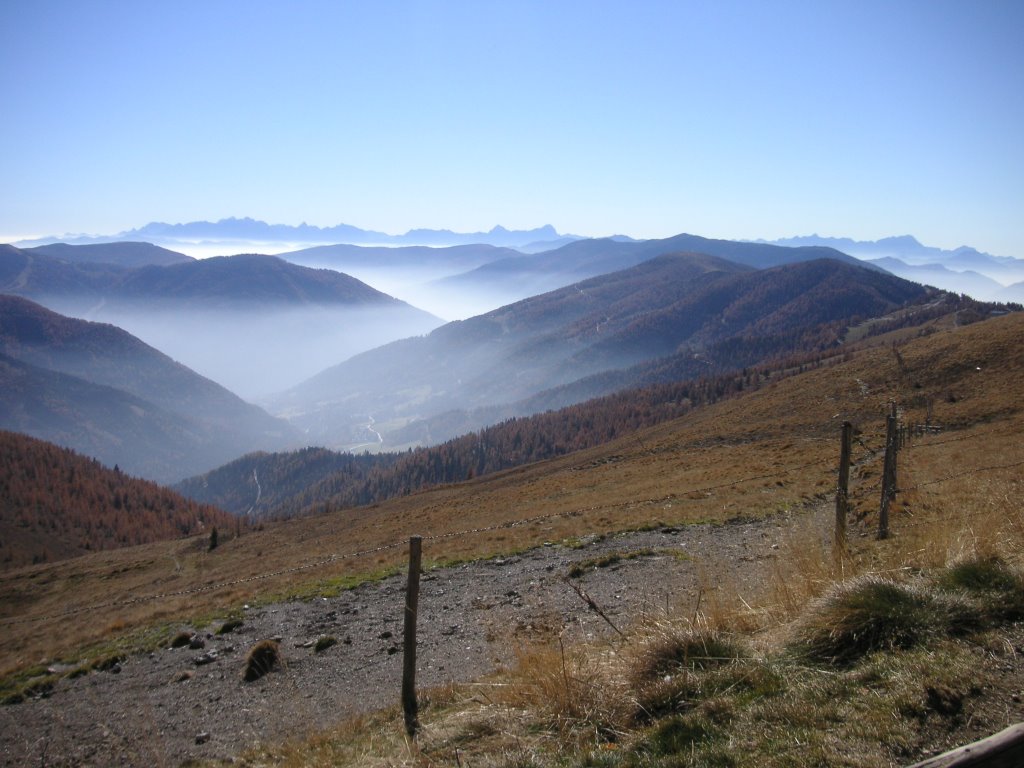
(772, 449)
(960, 497)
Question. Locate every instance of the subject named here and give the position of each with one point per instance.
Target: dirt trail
(167, 707)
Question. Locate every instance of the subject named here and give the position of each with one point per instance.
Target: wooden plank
(1001, 750)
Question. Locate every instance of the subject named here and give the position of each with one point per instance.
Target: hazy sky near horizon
(747, 119)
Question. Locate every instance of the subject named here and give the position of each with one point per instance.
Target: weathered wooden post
(888, 474)
(842, 490)
(412, 599)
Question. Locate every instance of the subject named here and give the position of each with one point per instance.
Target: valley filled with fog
(391, 347)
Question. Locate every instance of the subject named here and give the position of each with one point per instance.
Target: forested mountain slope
(55, 504)
(678, 304)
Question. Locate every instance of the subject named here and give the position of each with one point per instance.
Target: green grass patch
(609, 559)
(331, 587)
(324, 642)
(991, 582)
(872, 614)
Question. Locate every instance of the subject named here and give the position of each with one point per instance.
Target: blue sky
(725, 119)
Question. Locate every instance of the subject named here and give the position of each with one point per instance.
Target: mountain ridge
(223, 316)
(233, 229)
(673, 303)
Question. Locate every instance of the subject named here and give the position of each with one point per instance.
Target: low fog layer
(255, 353)
(427, 290)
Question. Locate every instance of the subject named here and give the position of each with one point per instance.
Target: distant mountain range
(346, 365)
(986, 277)
(463, 281)
(245, 230)
(528, 275)
(88, 274)
(961, 270)
(122, 253)
(99, 390)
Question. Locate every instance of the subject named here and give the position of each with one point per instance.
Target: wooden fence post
(843, 488)
(412, 599)
(888, 473)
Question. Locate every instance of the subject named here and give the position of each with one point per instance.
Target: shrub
(262, 658)
(874, 614)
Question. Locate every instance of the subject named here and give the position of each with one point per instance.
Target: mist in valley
(434, 291)
(258, 352)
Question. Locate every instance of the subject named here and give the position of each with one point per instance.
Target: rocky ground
(176, 704)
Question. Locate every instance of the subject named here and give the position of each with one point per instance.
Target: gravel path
(187, 703)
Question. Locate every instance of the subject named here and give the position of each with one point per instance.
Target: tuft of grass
(107, 663)
(261, 659)
(324, 642)
(229, 626)
(567, 690)
(869, 614)
(577, 570)
(181, 639)
(671, 650)
(679, 734)
(36, 688)
(997, 588)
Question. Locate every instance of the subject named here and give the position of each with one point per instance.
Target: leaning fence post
(412, 599)
(842, 490)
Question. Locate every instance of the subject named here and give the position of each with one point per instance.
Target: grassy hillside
(762, 451)
(891, 652)
(786, 687)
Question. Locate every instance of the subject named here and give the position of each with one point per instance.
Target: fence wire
(860, 493)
